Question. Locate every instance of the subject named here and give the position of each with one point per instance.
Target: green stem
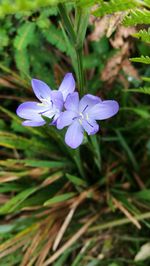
(76, 39)
(67, 23)
(81, 80)
(118, 222)
(77, 159)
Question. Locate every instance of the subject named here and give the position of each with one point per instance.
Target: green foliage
(142, 59)
(59, 198)
(25, 6)
(145, 90)
(114, 6)
(144, 35)
(3, 38)
(55, 37)
(138, 16)
(12, 204)
(57, 203)
(25, 36)
(22, 62)
(147, 3)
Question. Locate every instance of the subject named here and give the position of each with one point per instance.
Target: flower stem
(77, 159)
(76, 35)
(67, 22)
(81, 79)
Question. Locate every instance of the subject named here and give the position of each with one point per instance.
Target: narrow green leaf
(6, 228)
(48, 164)
(127, 149)
(145, 90)
(13, 203)
(143, 194)
(59, 198)
(96, 150)
(76, 180)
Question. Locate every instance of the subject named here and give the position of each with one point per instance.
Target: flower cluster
(65, 109)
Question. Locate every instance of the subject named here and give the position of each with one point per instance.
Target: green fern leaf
(144, 35)
(55, 37)
(25, 35)
(4, 40)
(145, 90)
(114, 6)
(138, 16)
(22, 62)
(143, 59)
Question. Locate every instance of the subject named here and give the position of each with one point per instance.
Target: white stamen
(80, 121)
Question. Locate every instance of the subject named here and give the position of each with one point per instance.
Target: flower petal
(90, 126)
(103, 110)
(41, 89)
(57, 99)
(67, 86)
(65, 119)
(72, 102)
(30, 110)
(33, 123)
(74, 135)
(88, 101)
(50, 113)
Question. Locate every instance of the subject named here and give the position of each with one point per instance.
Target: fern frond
(55, 37)
(138, 16)
(22, 62)
(25, 35)
(143, 59)
(115, 6)
(145, 90)
(144, 35)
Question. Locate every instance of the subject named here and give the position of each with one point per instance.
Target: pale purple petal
(90, 126)
(72, 102)
(74, 135)
(41, 89)
(30, 110)
(50, 113)
(57, 99)
(54, 122)
(88, 101)
(33, 123)
(67, 86)
(103, 110)
(65, 119)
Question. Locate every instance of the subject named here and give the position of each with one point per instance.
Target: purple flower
(51, 102)
(81, 116)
